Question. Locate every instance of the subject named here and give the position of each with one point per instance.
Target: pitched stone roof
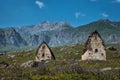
(53, 57)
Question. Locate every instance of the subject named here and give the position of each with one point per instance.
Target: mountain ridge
(62, 33)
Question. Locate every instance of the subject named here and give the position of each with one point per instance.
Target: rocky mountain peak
(104, 20)
(45, 22)
(46, 25)
(8, 31)
(63, 24)
(111, 23)
(9, 36)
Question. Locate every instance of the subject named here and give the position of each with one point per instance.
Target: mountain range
(56, 34)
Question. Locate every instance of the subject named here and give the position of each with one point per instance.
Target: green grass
(67, 66)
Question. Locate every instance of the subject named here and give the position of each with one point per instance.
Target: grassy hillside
(67, 66)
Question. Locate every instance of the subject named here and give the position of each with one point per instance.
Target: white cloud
(40, 4)
(104, 15)
(78, 14)
(93, 0)
(118, 1)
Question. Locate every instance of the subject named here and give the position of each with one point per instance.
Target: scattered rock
(63, 49)
(39, 64)
(29, 63)
(3, 64)
(76, 53)
(27, 54)
(47, 61)
(34, 64)
(14, 60)
(11, 56)
(75, 67)
(111, 48)
(1, 54)
(64, 59)
(30, 50)
(105, 69)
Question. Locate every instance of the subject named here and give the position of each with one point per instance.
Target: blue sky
(15, 13)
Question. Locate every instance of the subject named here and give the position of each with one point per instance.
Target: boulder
(11, 56)
(3, 64)
(111, 48)
(29, 64)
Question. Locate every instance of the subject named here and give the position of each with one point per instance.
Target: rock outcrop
(9, 36)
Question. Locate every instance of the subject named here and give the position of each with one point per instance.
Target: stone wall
(94, 48)
(43, 53)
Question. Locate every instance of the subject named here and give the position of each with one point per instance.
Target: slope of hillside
(109, 31)
(9, 39)
(67, 66)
